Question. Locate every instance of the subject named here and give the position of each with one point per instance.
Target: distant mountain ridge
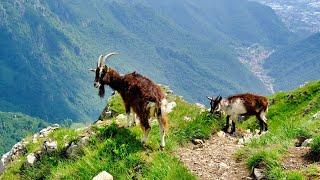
(47, 47)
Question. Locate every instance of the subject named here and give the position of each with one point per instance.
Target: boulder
(31, 159)
(50, 146)
(223, 165)
(73, 150)
(103, 176)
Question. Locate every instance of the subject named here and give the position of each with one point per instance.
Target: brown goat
(241, 105)
(138, 93)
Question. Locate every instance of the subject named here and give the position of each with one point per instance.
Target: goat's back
(143, 87)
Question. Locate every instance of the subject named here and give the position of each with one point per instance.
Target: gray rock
(316, 116)
(73, 150)
(258, 174)
(121, 117)
(50, 146)
(307, 142)
(103, 176)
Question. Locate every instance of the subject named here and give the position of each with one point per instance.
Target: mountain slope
(295, 64)
(111, 147)
(47, 47)
(15, 126)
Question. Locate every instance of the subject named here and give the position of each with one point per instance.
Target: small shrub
(263, 159)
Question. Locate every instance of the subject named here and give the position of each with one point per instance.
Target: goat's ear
(93, 70)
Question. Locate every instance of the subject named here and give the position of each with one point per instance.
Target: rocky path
(214, 159)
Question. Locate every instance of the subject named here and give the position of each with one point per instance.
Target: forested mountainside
(47, 47)
(295, 64)
(15, 126)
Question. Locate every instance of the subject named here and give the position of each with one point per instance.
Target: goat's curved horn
(109, 55)
(100, 61)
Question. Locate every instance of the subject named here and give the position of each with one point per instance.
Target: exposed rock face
(103, 176)
(17, 150)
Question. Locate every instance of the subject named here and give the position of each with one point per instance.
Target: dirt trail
(215, 159)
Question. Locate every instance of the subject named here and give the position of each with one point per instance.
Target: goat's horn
(109, 55)
(100, 61)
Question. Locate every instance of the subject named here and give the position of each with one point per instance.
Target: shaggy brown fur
(137, 93)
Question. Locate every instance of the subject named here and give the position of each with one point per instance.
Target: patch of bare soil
(214, 159)
(296, 158)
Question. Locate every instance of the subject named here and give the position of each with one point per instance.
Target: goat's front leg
(226, 127)
(129, 121)
(232, 122)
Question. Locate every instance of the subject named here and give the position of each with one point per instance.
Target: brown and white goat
(138, 93)
(241, 105)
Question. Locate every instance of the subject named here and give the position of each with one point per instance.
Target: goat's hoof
(161, 148)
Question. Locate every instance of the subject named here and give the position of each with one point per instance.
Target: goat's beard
(101, 91)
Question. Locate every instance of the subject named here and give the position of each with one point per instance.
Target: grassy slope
(119, 151)
(289, 117)
(299, 62)
(15, 126)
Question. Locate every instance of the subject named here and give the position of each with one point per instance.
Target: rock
(221, 134)
(248, 131)
(223, 165)
(170, 107)
(84, 141)
(2, 167)
(258, 174)
(316, 116)
(31, 159)
(121, 117)
(201, 106)
(241, 141)
(46, 131)
(50, 146)
(103, 176)
(73, 150)
(187, 118)
(35, 138)
(307, 142)
(197, 141)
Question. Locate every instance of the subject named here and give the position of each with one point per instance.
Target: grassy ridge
(289, 117)
(119, 151)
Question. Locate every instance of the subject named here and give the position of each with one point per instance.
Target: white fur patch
(234, 108)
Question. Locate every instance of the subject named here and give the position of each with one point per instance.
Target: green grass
(289, 118)
(119, 151)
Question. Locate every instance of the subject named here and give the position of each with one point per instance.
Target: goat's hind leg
(264, 120)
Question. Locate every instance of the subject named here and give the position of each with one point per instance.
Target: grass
(119, 151)
(289, 118)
